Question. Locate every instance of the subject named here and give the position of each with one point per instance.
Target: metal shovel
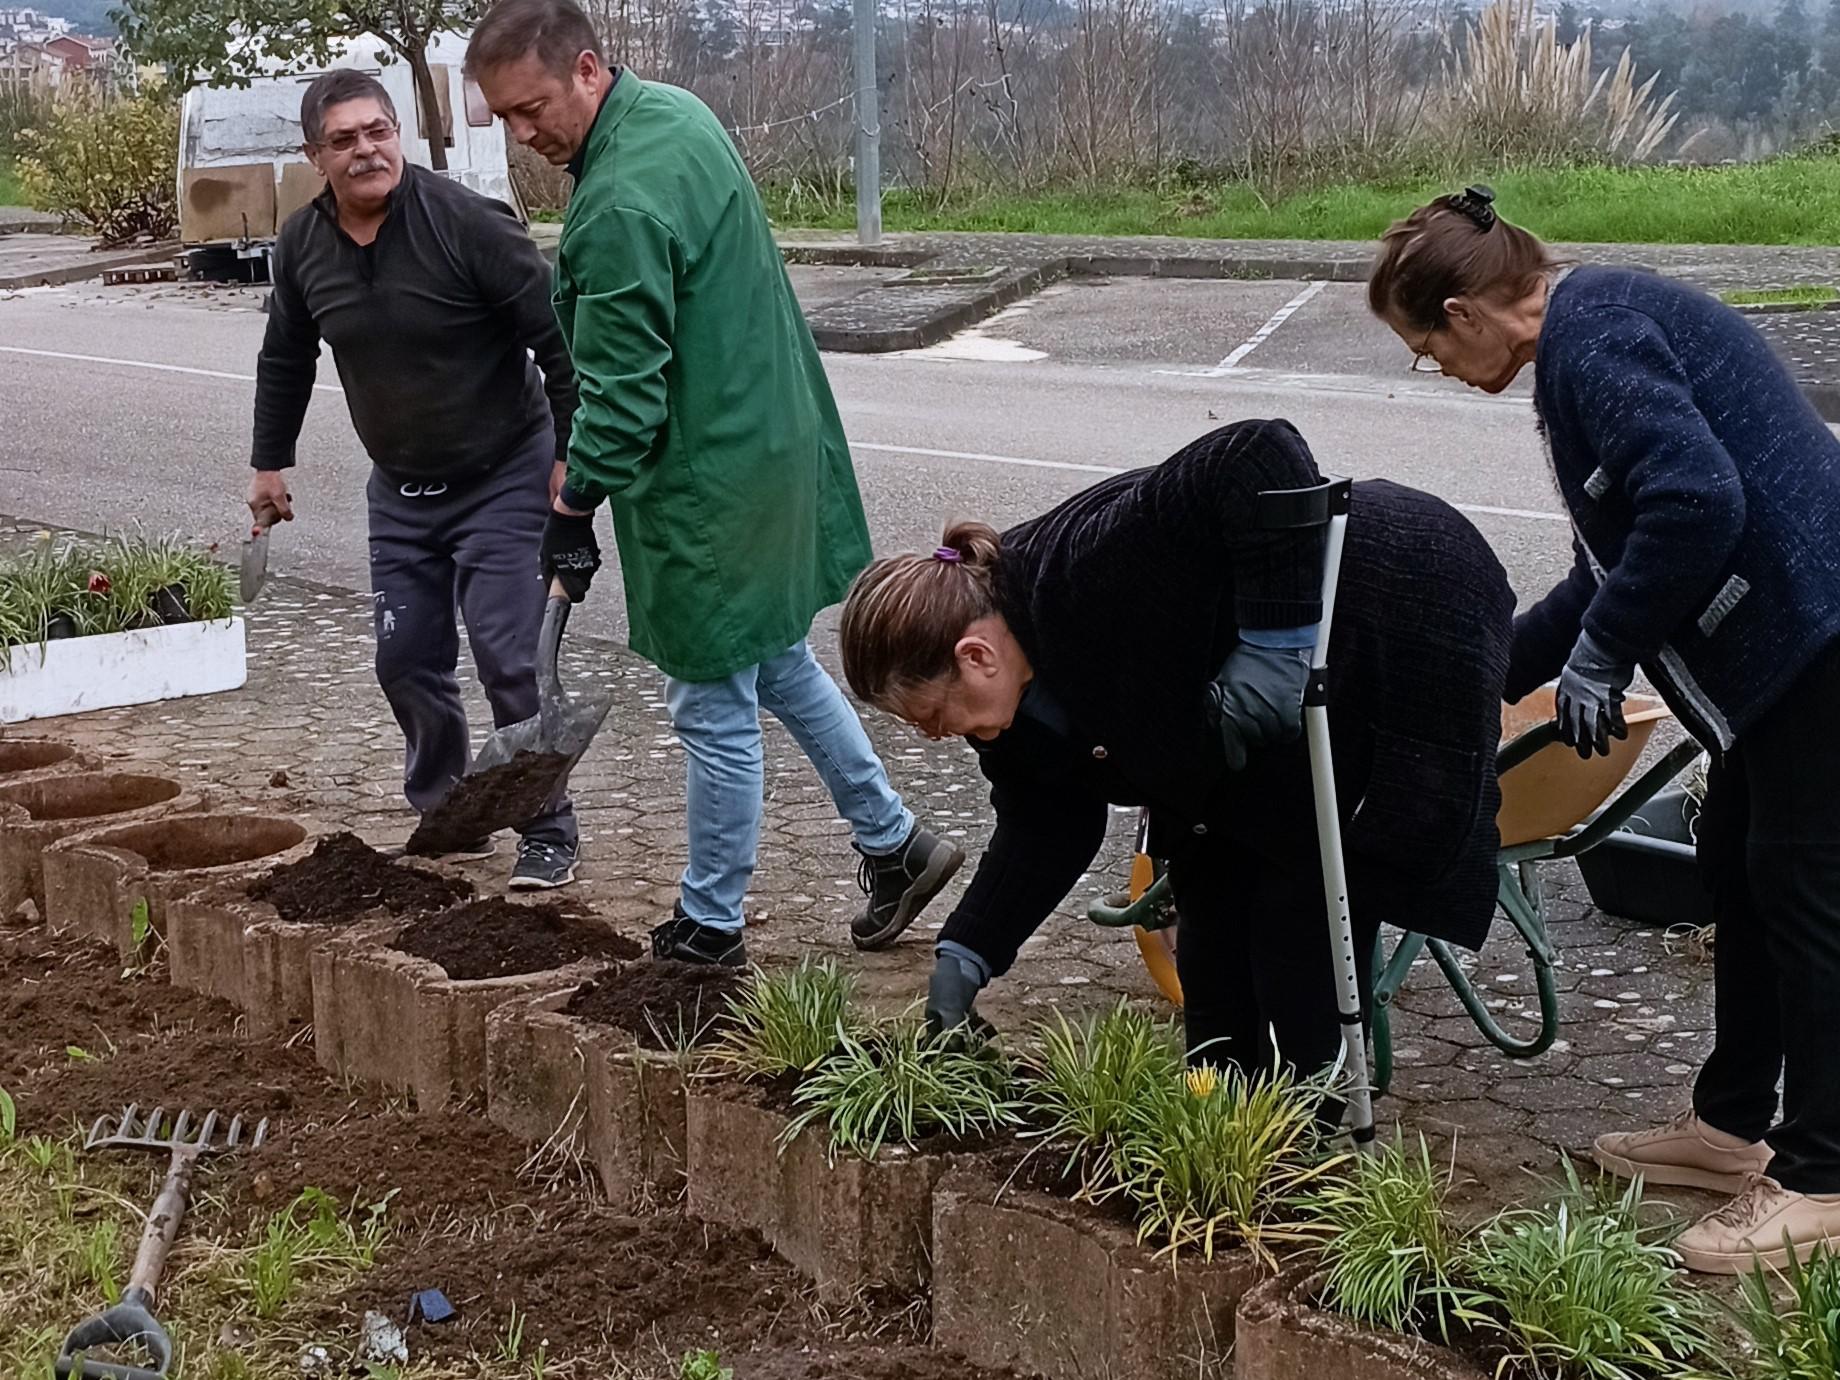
(131, 1322)
(522, 767)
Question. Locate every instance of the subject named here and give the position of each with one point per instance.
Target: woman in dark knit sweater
(1705, 501)
(1146, 643)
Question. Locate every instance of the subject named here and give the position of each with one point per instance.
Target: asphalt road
(132, 406)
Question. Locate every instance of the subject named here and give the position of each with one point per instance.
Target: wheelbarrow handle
(128, 1321)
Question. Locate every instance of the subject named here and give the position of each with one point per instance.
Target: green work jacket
(706, 420)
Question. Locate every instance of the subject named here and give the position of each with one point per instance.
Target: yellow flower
(1202, 1081)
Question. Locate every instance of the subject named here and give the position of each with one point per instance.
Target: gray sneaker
(899, 884)
(543, 866)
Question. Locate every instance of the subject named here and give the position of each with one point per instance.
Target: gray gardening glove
(1257, 699)
(958, 976)
(1589, 703)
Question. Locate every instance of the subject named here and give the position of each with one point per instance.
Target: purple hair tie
(951, 555)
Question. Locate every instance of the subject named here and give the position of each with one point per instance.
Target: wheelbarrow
(1553, 806)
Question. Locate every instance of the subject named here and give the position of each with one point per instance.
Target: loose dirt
(666, 1004)
(494, 937)
(497, 798)
(343, 877)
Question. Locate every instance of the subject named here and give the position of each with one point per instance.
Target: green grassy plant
(1224, 1158)
(1096, 1080)
(1391, 1248)
(1579, 1290)
(311, 1234)
(900, 1084)
(1806, 295)
(1799, 1338)
(109, 587)
(785, 1022)
(704, 1365)
(1791, 200)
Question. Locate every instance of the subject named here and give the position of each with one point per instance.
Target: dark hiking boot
(899, 884)
(684, 940)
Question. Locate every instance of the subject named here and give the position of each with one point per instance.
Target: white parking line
(148, 364)
(1265, 332)
(877, 447)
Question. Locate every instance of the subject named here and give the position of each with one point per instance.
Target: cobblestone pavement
(1636, 1008)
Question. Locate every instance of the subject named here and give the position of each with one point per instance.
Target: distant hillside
(89, 16)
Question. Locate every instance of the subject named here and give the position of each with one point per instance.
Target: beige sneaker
(1685, 1153)
(1766, 1222)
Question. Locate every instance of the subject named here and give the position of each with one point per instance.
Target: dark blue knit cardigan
(1704, 492)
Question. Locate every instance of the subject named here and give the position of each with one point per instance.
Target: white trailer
(241, 171)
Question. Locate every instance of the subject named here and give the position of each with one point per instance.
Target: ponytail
(905, 614)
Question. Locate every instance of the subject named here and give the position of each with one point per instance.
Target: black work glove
(1257, 699)
(955, 983)
(1590, 699)
(570, 553)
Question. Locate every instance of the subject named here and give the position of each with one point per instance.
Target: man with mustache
(434, 300)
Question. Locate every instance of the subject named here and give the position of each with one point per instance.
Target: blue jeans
(718, 722)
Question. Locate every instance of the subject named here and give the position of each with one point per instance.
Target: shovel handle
(549, 646)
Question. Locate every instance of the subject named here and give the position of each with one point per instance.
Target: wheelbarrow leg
(1389, 976)
(1525, 915)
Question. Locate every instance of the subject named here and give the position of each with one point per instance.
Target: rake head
(131, 1130)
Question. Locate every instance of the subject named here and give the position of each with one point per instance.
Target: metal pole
(868, 129)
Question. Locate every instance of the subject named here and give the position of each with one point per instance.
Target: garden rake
(131, 1322)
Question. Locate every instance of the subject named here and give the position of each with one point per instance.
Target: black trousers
(1252, 934)
(1769, 847)
(470, 546)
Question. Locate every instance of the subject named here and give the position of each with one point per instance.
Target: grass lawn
(1807, 296)
(1785, 201)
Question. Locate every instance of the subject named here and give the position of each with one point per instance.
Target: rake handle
(163, 1221)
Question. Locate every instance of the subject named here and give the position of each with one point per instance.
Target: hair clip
(951, 555)
(1478, 203)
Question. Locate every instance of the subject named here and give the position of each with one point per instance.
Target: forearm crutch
(1325, 505)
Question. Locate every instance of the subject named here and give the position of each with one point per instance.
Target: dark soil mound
(494, 937)
(343, 877)
(665, 1003)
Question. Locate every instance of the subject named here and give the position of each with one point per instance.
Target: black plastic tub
(1646, 871)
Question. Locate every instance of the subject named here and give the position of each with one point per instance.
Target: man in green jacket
(707, 425)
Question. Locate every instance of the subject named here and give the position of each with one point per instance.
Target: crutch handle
(1289, 510)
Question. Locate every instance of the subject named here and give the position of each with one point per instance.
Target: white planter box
(74, 674)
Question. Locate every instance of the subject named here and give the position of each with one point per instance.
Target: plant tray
(77, 674)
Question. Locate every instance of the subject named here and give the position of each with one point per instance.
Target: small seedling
(79, 1055)
(786, 1022)
(140, 923)
(511, 1340)
(9, 1117)
(310, 1234)
(704, 1365)
(901, 1084)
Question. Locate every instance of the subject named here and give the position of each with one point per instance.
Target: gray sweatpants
(471, 544)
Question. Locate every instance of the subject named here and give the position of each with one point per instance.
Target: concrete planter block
(536, 1068)
(400, 1021)
(550, 1075)
(1284, 1335)
(35, 814)
(95, 880)
(850, 1225)
(1051, 1287)
(637, 1120)
(28, 759)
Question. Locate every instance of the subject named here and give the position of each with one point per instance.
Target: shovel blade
(518, 771)
(253, 573)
